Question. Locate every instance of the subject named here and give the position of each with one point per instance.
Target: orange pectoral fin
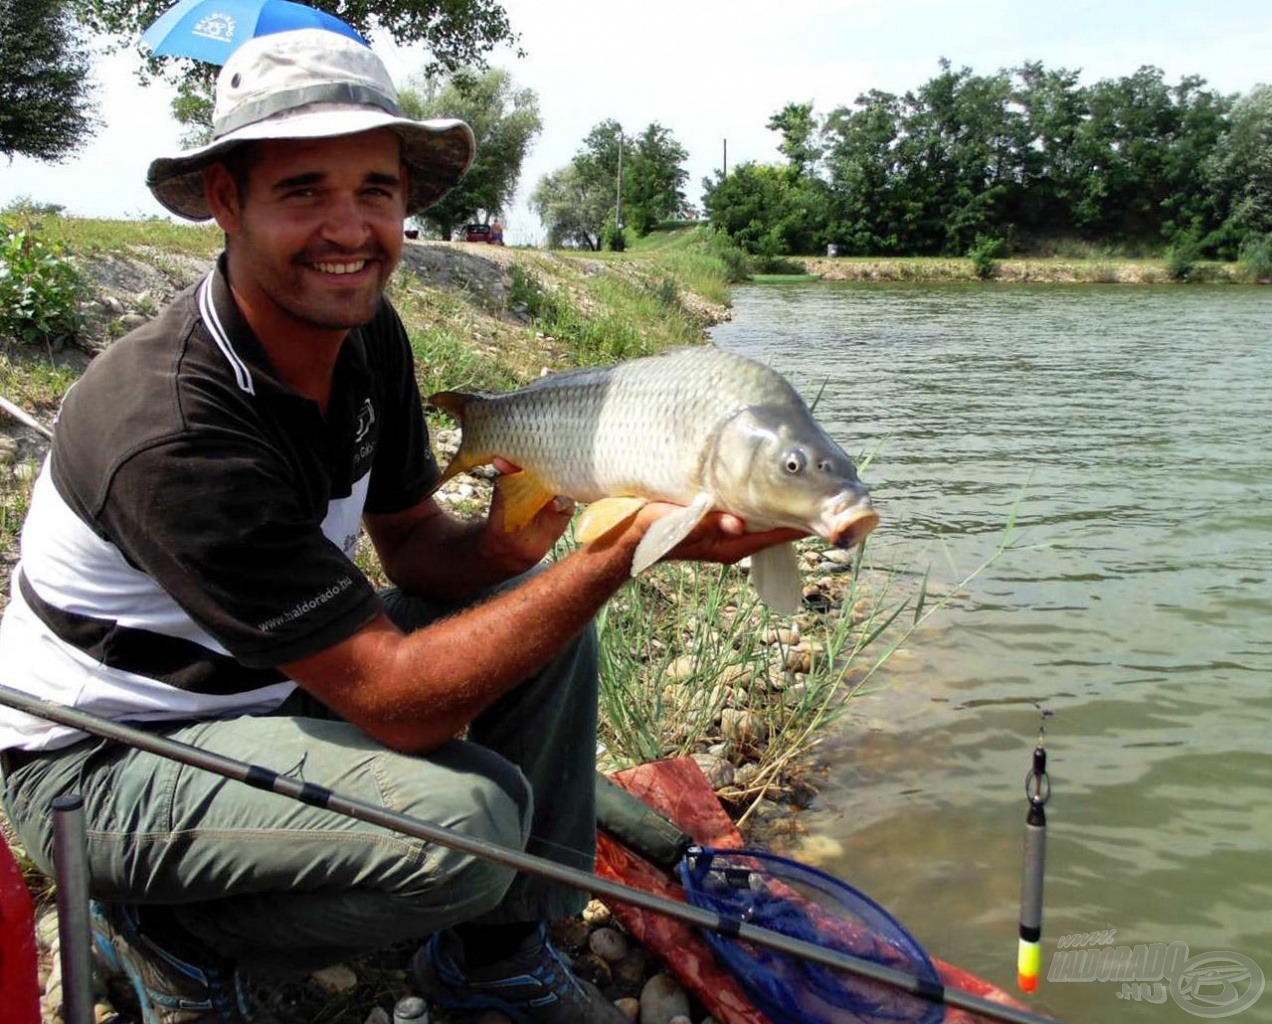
(602, 516)
(524, 494)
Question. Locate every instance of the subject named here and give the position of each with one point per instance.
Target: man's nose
(346, 223)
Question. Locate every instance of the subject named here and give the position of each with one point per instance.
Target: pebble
(46, 929)
(629, 1007)
(799, 658)
(595, 969)
(335, 979)
(838, 556)
(743, 727)
(378, 1015)
(608, 944)
(569, 933)
(597, 914)
(718, 771)
(662, 999)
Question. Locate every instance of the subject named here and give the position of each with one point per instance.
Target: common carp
(698, 427)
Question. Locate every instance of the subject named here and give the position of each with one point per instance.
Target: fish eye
(794, 461)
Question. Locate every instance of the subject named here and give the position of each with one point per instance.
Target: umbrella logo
(216, 26)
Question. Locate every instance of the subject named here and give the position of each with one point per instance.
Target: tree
(799, 131)
(653, 179)
(505, 122)
(573, 207)
(46, 106)
(458, 34)
(574, 202)
(1240, 168)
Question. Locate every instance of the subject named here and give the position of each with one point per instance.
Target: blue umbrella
(210, 30)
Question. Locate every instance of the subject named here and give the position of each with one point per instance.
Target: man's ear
(223, 197)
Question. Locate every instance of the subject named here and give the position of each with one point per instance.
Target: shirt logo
(366, 420)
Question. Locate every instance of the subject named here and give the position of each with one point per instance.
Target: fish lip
(852, 525)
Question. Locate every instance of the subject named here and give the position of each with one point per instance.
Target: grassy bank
(1040, 270)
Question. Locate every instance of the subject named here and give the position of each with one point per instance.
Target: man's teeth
(341, 268)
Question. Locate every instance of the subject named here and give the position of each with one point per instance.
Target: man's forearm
(414, 692)
(450, 558)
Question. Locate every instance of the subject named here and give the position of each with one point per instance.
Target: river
(1130, 430)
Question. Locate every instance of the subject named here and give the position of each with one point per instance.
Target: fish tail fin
(455, 405)
(775, 573)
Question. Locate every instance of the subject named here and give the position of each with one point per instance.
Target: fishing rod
(269, 780)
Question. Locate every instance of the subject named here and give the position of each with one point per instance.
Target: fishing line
(269, 780)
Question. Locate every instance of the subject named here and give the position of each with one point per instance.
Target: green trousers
(283, 886)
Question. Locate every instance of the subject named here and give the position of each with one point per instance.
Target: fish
(698, 427)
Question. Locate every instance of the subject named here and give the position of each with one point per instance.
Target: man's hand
(720, 537)
(527, 546)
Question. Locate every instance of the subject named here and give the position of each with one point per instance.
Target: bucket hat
(310, 84)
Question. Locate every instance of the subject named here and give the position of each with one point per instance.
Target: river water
(1130, 429)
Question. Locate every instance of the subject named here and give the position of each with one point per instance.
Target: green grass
(94, 236)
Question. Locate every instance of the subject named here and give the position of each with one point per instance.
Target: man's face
(318, 228)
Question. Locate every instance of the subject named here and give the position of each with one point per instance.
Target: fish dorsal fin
(775, 573)
(523, 495)
(602, 516)
(669, 531)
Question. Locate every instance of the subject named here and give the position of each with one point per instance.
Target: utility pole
(618, 208)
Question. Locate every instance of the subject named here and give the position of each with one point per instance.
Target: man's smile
(340, 269)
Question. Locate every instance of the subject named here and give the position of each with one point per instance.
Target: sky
(712, 71)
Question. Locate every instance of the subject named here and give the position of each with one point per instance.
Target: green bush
(39, 289)
(613, 237)
(732, 258)
(1182, 256)
(1256, 256)
(778, 265)
(984, 255)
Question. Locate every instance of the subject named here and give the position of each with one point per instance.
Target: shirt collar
(246, 357)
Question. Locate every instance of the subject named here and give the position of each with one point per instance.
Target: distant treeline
(1027, 157)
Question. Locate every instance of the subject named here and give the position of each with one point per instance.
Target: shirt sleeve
(404, 470)
(217, 522)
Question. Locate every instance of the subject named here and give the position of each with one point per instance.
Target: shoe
(170, 990)
(533, 986)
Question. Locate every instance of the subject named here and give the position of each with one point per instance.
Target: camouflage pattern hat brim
(312, 84)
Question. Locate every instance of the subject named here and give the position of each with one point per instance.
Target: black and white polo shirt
(194, 524)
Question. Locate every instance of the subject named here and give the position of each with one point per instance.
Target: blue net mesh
(803, 903)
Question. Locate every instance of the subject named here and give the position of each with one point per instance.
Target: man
(186, 563)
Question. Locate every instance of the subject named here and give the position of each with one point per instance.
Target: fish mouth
(849, 527)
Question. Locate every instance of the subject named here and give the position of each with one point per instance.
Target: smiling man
(187, 564)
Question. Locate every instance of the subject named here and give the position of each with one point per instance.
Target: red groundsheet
(679, 791)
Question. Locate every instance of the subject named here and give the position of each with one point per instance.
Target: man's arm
(414, 692)
(426, 551)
